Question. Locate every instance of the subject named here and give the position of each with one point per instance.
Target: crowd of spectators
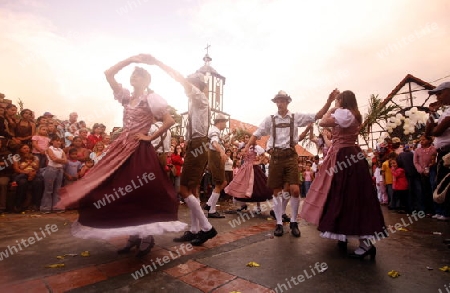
(39, 155)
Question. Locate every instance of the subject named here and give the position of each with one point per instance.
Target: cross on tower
(207, 48)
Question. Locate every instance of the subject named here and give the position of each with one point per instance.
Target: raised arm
(305, 132)
(327, 105)
(328, 120)
(150, 60)
(111, 72)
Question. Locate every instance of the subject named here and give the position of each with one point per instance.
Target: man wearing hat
(283, 168)
(48, 115)
(440, 129)
(196, 151)
(216, 163)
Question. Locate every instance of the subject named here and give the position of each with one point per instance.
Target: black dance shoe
(215, 215)
(206, 207)
(188, 236)
(203, 236)
(244, 207)
(129, 246)
(372, 251)
(286, 218)
(278, 230)
(342, 245)
(294, 229)
(272, 214)
(144, 252)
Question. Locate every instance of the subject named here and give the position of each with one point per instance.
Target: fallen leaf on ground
(402, 229)
(60, 257)
(56, 265)
(445, 269)
(85, 253)
(253, 264)
(393, 274)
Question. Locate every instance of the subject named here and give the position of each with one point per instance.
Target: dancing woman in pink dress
(342, 200)
(128, 192)
(250, 182)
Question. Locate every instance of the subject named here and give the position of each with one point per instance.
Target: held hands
(142, 58)
(333, 95)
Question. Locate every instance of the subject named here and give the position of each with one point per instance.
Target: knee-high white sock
(194, 222)
(195, 207)
(295, 203)
(284, 204)
(214, 198)
(277, 209)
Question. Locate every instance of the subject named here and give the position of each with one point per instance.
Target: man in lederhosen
(283, 167)
(196, 156)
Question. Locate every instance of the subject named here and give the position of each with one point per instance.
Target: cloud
(306, 48)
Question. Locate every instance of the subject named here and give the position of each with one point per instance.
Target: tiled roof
(408, 78)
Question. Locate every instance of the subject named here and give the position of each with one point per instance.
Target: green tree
(377, 111)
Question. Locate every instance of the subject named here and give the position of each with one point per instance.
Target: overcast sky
(53, 52)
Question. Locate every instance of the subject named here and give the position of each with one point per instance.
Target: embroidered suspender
(283, 125)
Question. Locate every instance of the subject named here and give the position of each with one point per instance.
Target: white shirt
(377, 175)
(343, 117)
(198, 114)
(58, 154)
(282, 139)
(165, 146)
(229, 165)
(214, 136)
(444, 138)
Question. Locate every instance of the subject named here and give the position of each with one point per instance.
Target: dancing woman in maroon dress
(342, 200)
(127, 192)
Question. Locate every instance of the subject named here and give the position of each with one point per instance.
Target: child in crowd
(40, 143)
(86, 167)
(29, 165)
(301, 179)
(381, 189)
(236, 166)
(98, 152)
(53, 176)
(72, 168)
(400, 187)
(308, 177)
